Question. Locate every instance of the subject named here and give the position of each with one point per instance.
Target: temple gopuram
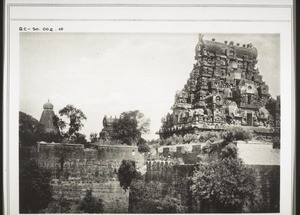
(224, 88)
(107, 131)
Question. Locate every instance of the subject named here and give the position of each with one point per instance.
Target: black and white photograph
(176, 117)
(149, 123)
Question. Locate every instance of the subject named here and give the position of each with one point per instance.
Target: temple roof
(48, 105)
(220, 48)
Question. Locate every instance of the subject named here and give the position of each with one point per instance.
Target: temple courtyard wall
(176, 163)
(85, 169)
(96, 169)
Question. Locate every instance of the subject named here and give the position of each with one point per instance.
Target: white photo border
(169, 18)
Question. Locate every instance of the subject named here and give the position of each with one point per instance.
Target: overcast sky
(106, 74)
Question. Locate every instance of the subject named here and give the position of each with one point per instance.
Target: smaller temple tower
(47, 119)
(106, 133)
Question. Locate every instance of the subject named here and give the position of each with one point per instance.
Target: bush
(143, 148)
(223, 185)
(212, 136)
(90, 204)
(237, 133)
(188, 138)
(126, 173)
(35, 188)
(173, 140)
(152, 197)
(229, 151)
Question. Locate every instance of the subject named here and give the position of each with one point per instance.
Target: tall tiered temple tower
(47, 119)
(224, 88)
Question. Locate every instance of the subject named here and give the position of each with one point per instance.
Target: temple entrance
(249, 119)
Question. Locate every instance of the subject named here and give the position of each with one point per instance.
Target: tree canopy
(153, 197)
(225, 183)
(93, 137)
(126, 173)
(75, 116)
(29, 129)
(130, 127)
(143, 147)
(35, 188)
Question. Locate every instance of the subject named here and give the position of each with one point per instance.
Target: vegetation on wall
(232, 133)
(153, 197)
(224, 184)
(91, 204)
(30, 131)
(35, 189)
(130, 127)
(127, 129)
(126, 173)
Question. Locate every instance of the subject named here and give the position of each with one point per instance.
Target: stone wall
(261, 156)
(84, 169)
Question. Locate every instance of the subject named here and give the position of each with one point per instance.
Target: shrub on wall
(190, 138)
(143, 147)
(212, 136)
(35, 188)
(224, 184)
(126, 173)
(91, 204)
(233, 133)
(153, 197)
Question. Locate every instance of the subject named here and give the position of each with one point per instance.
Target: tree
(126, 173)
(35, 188)
(224, 184)
(271, 106)
(129, 127)
(143, 146)
(153, 197)
(75, 116)
(78, 138)
(143, 123)
(90, 204)
(93, 137)
(29, 129)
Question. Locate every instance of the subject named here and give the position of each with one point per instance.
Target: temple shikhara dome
(224, 88)
(47, 119)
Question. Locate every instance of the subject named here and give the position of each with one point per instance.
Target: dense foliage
(31, 131)
(93, 137)
(129, 127)
(35, 188)
(29, 128)
(143, 147)
(125, 129)
(234, 133)
(126, 173)
(225, 183)
(91, 204)
(75, 117)
(153, 197)
(271, 106)
(78, 138)
(231, 133)
(60, 205)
